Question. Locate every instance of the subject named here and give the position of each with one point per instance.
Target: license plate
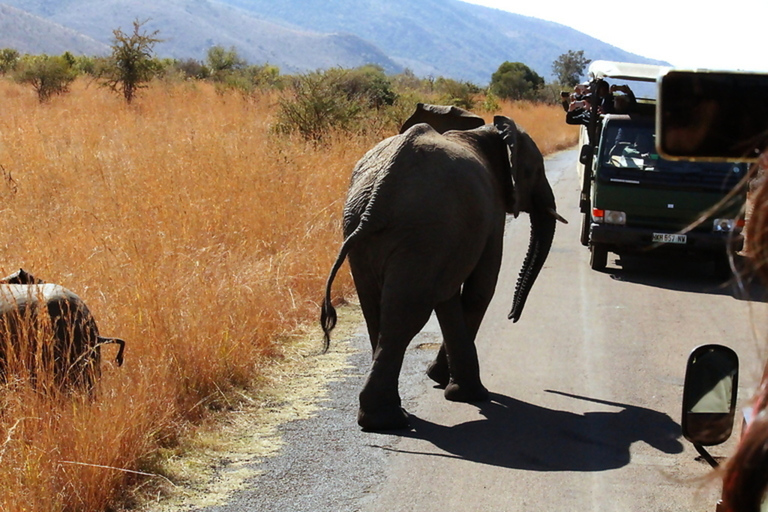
(667, 238)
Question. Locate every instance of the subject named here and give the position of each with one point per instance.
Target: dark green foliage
(369, 84)
(315, 104)
(569, 67)
(230, 71)
(191, 68)
(222, 61)
(515, 81)
(132, 64)
(336, 99)
(459, 94)
(48, 75)
(9, 58)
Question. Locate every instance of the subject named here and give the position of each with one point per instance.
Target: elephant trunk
(542, 234)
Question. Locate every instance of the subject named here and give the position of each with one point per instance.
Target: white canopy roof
(626, 71)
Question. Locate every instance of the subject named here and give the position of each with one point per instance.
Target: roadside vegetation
(198, 221)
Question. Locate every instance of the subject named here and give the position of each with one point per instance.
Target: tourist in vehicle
(625, 102)
(578, 112)
(579, 108)
(604, 98)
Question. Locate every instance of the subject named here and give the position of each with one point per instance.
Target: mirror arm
(706, 456)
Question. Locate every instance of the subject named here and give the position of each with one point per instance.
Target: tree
(569, 67)
(222, 61)
(132, 63)
(9, 58)
(515, 81)
(369, 84)
(453, 92)
(46, 74)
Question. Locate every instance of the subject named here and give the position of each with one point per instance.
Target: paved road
(585, 405)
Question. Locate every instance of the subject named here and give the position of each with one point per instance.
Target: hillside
(442, 37)
(31, 34)
(431, 37)
(189, 28)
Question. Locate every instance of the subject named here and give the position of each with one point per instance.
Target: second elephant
(48, 336)
(423, 226)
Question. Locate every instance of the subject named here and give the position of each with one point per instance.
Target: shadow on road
(515, 434)
(686, 275)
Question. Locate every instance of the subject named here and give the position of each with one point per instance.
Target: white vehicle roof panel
(626, 70)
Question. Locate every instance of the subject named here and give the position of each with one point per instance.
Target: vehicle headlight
(615, 217)
(724, 225)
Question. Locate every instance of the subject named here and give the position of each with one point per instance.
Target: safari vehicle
(634, 200)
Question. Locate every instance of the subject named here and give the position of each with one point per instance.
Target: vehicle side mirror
(586, 154)
(709, 396)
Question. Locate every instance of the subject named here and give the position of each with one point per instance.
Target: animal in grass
(45, 327)
(423, 230)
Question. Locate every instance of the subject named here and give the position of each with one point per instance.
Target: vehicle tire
(585, 222)
(599, 256)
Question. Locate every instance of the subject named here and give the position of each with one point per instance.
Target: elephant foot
(466, 393)
(382, 419)
(439, 373)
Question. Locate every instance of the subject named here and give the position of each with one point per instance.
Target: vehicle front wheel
(585, 221)
(599, 256)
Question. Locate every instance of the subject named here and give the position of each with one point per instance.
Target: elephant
(443, 118)
(64, 340)
(423, 230)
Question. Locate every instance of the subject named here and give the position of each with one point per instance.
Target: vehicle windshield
(630, 147)
(628, 151)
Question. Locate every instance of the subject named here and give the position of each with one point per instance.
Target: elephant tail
(119, 358)
(328, 312)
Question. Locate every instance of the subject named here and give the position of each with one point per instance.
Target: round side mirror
(709, 395)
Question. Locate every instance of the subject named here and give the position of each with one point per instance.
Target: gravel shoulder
(300, 447)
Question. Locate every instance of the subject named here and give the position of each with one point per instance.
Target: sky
(725, 35)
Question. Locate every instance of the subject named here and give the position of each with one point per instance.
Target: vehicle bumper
(625, 239)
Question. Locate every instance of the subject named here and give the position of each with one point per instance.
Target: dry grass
(191, 233)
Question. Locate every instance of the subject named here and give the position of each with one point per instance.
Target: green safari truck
(633, 200)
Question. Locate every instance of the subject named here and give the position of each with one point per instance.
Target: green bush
(317, 103)
(191, 68)
(459, 94)
(337, 99)
(368, 84)
(48, 75)
(9, 59)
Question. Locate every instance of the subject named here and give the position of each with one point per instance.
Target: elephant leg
(438, 369)
(459, 343)
(402, 317)
(369, 295)
(476, 295)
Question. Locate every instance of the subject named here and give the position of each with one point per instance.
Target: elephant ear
(527, 165)
(443, 118)
(509, 134)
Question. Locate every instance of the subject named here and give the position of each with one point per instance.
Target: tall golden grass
(192, 233)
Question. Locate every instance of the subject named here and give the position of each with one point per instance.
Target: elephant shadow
(519, 435)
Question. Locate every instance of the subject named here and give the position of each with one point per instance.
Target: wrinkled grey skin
(423, 227)
(73, 346)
